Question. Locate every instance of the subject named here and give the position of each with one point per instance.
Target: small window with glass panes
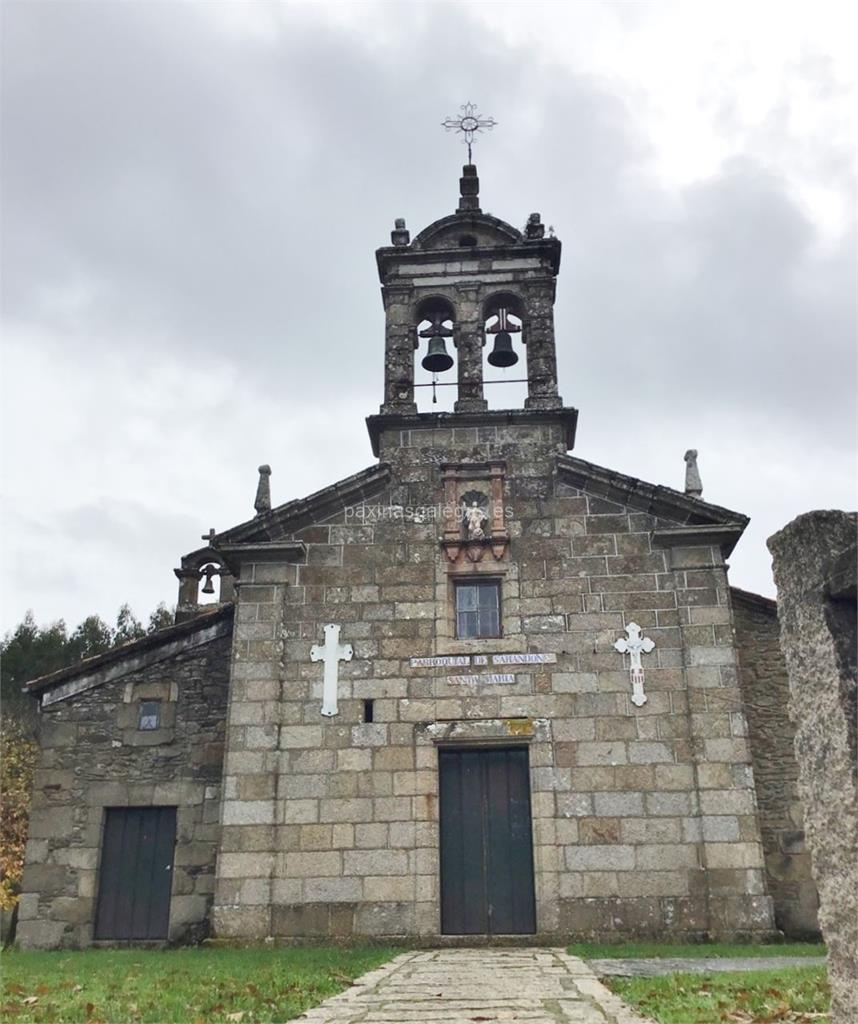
(150, 715)
(477, 609)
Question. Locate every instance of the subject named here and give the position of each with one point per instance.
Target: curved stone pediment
(466, 230)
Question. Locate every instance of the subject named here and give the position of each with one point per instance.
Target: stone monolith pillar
(815, 572)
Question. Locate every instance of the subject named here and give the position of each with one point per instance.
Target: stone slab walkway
(462, 986)
(652, 967)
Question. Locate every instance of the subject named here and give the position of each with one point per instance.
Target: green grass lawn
(197, 986)
(635, 950)
(796, 995)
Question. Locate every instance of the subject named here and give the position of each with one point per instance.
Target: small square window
(150, 715)
(478, 609)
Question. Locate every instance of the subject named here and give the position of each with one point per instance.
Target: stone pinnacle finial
(469, 190)
(535, 228)
(693, 484)
(400, 234)
(263, 491)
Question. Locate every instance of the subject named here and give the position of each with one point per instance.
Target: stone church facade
(482, 688)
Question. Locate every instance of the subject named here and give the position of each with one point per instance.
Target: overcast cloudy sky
(192, 195)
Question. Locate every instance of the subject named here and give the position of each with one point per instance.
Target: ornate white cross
(331, 653)
(635, 645)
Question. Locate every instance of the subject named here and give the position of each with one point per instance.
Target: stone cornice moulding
(653, 499)
(275, 525)
(725, 536)
(380, 422)
(237, 554)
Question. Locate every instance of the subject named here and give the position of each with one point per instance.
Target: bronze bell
(208, 586)
(437, 360)
(502, 354)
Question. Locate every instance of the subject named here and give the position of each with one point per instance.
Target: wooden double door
(486, 842)
(136, 876)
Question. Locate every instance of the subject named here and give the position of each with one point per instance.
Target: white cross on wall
(332, 652)
(635, 645)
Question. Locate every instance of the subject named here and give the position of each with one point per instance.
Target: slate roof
(768, 605)
(157, 646)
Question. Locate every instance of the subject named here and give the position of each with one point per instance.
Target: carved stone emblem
(474, 520)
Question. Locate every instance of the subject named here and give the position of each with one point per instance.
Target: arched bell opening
(209, 587)
(504, 363)
(435, 345)
(203, 581)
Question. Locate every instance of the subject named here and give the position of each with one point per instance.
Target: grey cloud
(174, 185)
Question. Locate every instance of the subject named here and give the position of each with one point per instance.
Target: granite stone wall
(644, 819)
(815, 566)
(93, 758)
(765, 688)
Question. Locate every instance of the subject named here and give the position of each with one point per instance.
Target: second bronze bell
(502, 353)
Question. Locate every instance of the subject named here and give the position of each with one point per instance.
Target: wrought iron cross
(469, 123)
(635, 645)
(332, 652)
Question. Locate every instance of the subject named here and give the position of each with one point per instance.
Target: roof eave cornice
(721, 535)
(280, 521)
(131, 657)
(653, 499)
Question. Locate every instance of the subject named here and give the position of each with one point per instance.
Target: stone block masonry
(765, 691)
(644, 819)
(815, 570)
(484, 662)
(87, 764)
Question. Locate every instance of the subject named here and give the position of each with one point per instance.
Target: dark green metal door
(486, 842)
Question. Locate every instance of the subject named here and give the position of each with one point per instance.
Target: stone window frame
(479, 581)
(511, 639)
(128, 714)
(461, 559)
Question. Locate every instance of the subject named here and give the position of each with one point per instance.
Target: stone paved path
(461, 986)
(652, 967)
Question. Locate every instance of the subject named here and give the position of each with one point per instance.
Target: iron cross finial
(469, 123)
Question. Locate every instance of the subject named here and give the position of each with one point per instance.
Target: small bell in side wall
(209, 571)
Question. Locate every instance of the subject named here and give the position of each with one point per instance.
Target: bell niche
(469, 291)
(436, 326)
(504, 321)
